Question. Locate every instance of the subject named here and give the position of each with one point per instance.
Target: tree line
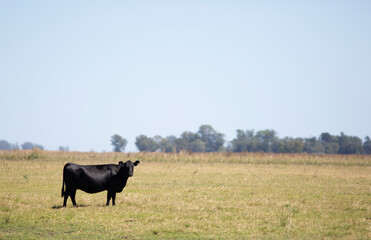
(207, 139)
(5, 145)
(268, 141)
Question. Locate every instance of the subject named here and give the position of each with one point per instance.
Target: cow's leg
(65, 199)
(72, 195)
(109, 195)
(113, 198)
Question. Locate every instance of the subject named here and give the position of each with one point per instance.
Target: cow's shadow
(78, 206)
(57, 207)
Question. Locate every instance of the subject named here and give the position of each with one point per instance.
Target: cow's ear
(136, 162)
(121, 163)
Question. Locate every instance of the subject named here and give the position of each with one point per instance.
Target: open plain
(191, 196)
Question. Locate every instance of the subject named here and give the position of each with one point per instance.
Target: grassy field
(199, 196)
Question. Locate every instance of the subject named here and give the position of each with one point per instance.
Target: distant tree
(292, 145)
(4, 145)
(118, 143)
(27, 146)
(298, 145)
(356, 145)
(15, 146)
(171, 144)
(30, 146)
(164, 144)
(212, 139)
(146, 144)
(248, 141)
(326, 137)
(310, 145)
(63, 149)
(239, 144)
(252, 141)
(330, 143)
(350, 144)
(367, 145)
(180, 145)
(267, 141)
(331, 147)
(171, 139)
(198, 146)
(187, 139)
(167, 145)
(39, 146)
(319, 148)
(160, 142)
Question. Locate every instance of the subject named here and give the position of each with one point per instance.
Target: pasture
(191, 196)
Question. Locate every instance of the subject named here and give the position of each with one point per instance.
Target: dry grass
(201, 196)
(184, 157)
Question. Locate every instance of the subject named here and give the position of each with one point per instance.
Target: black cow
(96, 178)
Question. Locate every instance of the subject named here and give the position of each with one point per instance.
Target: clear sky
(73, 73)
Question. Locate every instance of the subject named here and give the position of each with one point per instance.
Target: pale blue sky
(73, 73)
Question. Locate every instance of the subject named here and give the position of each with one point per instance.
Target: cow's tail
(63, 183)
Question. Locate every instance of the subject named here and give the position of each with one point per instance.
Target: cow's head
(128, 167)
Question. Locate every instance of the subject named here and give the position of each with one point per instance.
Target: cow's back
(89, 178)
